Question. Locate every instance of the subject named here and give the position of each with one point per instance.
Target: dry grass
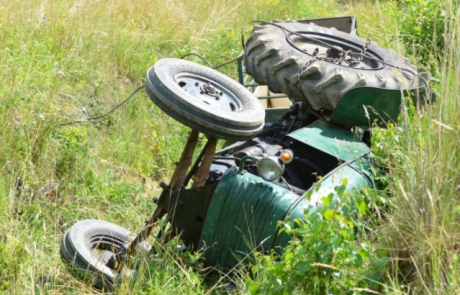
(64, 60)
(421, 229)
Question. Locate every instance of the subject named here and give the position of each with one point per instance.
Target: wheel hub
(331, 47)
(209, 92)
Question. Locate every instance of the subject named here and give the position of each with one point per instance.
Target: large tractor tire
(274, 62)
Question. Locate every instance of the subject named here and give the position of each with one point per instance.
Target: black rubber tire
(84, 237)
(163, 89)
(272, 61)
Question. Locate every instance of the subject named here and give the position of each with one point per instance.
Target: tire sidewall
(75, 249)
(202, 125)
(161, 78)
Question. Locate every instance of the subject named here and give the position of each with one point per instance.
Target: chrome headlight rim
(274, 166)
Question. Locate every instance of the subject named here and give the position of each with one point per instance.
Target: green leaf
(301, 251)
(358, 260)
(254, 288)
(363, 254)
(316, 226)
(362, 208)
(326, 254)
(303, 266)
(382, 262)
(340, 189)
(336, 241)
(329, 214)
(328, 200)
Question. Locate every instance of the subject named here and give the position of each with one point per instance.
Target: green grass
(420, 225)
(64, 60)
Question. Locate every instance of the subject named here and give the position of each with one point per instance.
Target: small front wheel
(88, 246)
(204, 99)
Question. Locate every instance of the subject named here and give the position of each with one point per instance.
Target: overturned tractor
(338, 84)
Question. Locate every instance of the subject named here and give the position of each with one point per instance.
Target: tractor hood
(334, 140)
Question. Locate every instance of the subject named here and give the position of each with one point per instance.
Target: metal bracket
(179, 178)
(176, 182)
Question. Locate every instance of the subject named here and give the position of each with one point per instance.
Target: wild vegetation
(422, 155)
(67, 60)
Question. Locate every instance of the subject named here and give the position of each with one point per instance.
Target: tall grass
(423, 155)
(64, 60)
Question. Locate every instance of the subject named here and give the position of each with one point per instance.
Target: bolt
(201, 92)
(196, 84)
(221, 93)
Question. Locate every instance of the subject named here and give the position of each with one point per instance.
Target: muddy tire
(204, 99)
(272, 61)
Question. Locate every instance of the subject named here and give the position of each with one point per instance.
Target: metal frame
(166, 204)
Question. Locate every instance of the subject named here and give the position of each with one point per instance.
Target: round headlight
(270, 168)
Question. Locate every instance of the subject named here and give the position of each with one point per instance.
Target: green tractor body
(245, 210)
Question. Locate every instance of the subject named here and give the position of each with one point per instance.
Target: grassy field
(66, 60)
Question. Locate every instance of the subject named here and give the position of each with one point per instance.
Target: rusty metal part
(210, 90)
(337, 60)
(368, 43)
(199, 179)
(203, 172)
(196, 165)
(176, 183)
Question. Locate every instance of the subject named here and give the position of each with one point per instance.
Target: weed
(324, 255)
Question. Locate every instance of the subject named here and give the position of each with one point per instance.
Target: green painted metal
(243, 214)
(187, 209)
(363, 106)
(240, 70)
(243, 161)
(331, 139)
(358, 174)
(245, 211)
(273, 115)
